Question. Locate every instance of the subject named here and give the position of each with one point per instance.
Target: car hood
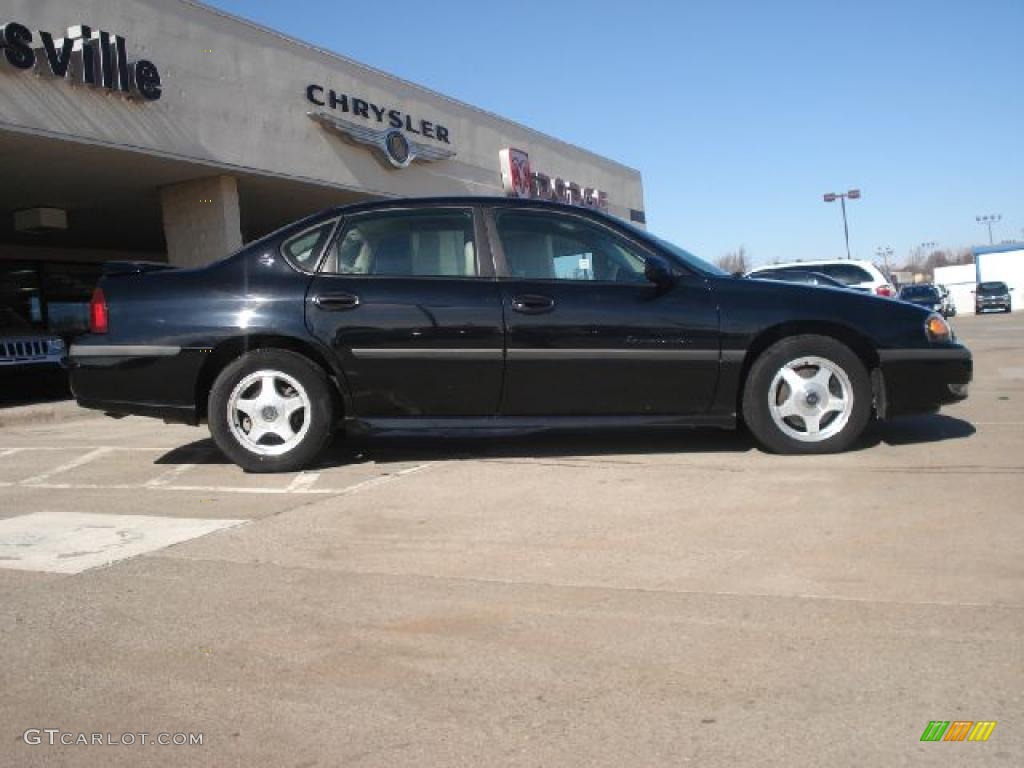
(749, 305)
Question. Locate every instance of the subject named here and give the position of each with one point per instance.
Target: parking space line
(10, 452)
(382, 479)
(169, 476)
(149, 486)
(164, 483)
(303, 482)
(82, 460)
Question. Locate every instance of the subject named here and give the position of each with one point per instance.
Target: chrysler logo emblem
(391, 144)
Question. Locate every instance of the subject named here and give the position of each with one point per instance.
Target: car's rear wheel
(807, 394)
(271, 410)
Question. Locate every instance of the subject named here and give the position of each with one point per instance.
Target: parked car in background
(496, 315)
(801, 276)
(948, 304)
(994, 295)
(862, 275)
(23, 348)
(924, 295)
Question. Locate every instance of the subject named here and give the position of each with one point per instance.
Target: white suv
(862, 275)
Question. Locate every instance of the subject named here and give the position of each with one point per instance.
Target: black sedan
(498, 315)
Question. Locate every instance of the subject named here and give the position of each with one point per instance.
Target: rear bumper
(157, 381)
(923, 380)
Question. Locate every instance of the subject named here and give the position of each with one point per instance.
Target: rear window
(848, 274)
(919, 292)
(303, 250)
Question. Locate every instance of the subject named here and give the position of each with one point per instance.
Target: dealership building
(166, 130)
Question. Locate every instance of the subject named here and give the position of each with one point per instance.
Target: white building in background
(961, 280)
(1004, 263)
(167, 130)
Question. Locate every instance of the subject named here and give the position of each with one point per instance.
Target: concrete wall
(234, 97)
(202, 220)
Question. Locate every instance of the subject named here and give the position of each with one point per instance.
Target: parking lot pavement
(676, 599)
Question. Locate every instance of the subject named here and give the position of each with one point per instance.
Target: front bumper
(24, 353)
(992, 304)
(923, 380)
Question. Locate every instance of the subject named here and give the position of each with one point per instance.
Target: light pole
(831, 197)
(989, 220)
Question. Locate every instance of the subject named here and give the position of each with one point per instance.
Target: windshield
(991, 289)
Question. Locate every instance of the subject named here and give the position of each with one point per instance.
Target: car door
(588, 334)
(407, 300)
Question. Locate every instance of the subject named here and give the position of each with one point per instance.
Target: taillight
(885, 290)
(98, 312)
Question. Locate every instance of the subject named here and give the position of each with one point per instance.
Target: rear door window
(434, 242)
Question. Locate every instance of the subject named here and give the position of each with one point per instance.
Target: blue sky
(739, 115)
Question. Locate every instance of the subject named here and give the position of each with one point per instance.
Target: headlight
(56, 345)
(937, 329)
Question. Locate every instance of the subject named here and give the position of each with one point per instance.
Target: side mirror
(658, 272)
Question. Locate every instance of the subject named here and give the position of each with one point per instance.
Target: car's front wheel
(271, 410)
(807, 394)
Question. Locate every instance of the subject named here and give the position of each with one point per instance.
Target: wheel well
(857, 342)
(231, 349)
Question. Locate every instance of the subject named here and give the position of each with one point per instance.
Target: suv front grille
(20, 350)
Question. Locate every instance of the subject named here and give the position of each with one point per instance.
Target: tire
(297, 417)
(779, 416)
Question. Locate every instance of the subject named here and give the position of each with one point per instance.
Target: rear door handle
(336, 302)
(532, 304)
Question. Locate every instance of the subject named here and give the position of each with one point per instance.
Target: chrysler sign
(85, 56)
(389, 131)
(520, 180)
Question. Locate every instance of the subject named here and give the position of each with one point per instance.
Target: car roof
(793, 272)
(487, 200)
(798, 273)
(810, 264)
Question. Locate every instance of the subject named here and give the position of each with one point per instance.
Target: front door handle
(336, 302)
(532, 304)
